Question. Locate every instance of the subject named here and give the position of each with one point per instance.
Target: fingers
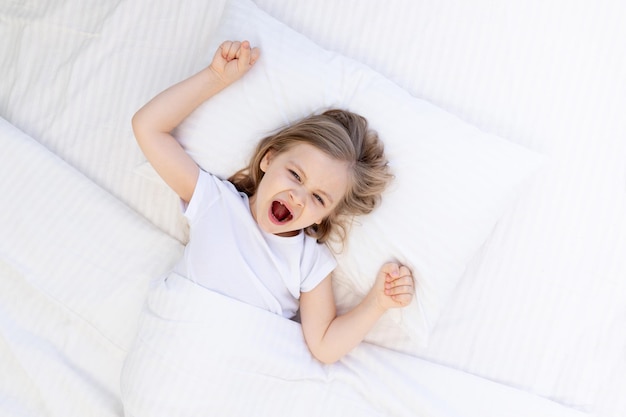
(241, 51)
(230, 49)
(399, 281)
(394, 271)
(255, 54)
(399, 286)
(391, 270)
(232, 60)
(402, 300)
(243, 56)
(395, 286)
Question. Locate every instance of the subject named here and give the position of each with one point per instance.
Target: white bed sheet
(542, 307)
(75, 264)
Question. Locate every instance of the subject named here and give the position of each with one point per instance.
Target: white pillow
(452, 182)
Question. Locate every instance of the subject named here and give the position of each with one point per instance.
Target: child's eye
(295, 175)
(320, 199)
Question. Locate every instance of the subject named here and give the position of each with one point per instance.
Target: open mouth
(280, 212)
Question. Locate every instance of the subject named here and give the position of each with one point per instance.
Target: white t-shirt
(228, 253)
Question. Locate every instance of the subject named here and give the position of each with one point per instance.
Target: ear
(265, 161)
(320, 221)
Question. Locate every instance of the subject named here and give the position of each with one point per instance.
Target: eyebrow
(325, 194)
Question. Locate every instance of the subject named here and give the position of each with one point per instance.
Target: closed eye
(320, 199)
(295, 175)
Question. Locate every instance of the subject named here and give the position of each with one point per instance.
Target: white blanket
(542, 307)
(198, 351)
(75, 264)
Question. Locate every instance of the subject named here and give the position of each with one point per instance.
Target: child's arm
(328, 336)
(154, 122)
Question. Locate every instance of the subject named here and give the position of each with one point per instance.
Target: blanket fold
(200, 353)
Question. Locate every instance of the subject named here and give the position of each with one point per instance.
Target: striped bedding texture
(192, 342)
(75, 265)
(542, 306)
(74, 278)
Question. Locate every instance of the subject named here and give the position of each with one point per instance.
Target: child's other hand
(233, 59)
(394, 286)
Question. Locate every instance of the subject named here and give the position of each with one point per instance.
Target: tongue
(280, 211)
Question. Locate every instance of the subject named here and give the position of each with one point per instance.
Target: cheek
(326, 212)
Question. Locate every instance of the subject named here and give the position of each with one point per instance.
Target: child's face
(300, 187)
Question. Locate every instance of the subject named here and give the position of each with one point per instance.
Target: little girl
(259, 237)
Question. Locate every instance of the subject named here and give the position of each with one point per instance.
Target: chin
(288, 231)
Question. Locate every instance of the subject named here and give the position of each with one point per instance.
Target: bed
(504, 127)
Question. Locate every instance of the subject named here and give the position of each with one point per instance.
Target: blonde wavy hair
(344, 136)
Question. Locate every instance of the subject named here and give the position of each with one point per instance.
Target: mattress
(539, 310)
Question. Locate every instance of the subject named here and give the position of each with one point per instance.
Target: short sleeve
(319, 263)
(204, 194)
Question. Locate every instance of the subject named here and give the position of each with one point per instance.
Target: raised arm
(154, 122)
(328, 336)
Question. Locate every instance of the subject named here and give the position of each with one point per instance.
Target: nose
(296, 197)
